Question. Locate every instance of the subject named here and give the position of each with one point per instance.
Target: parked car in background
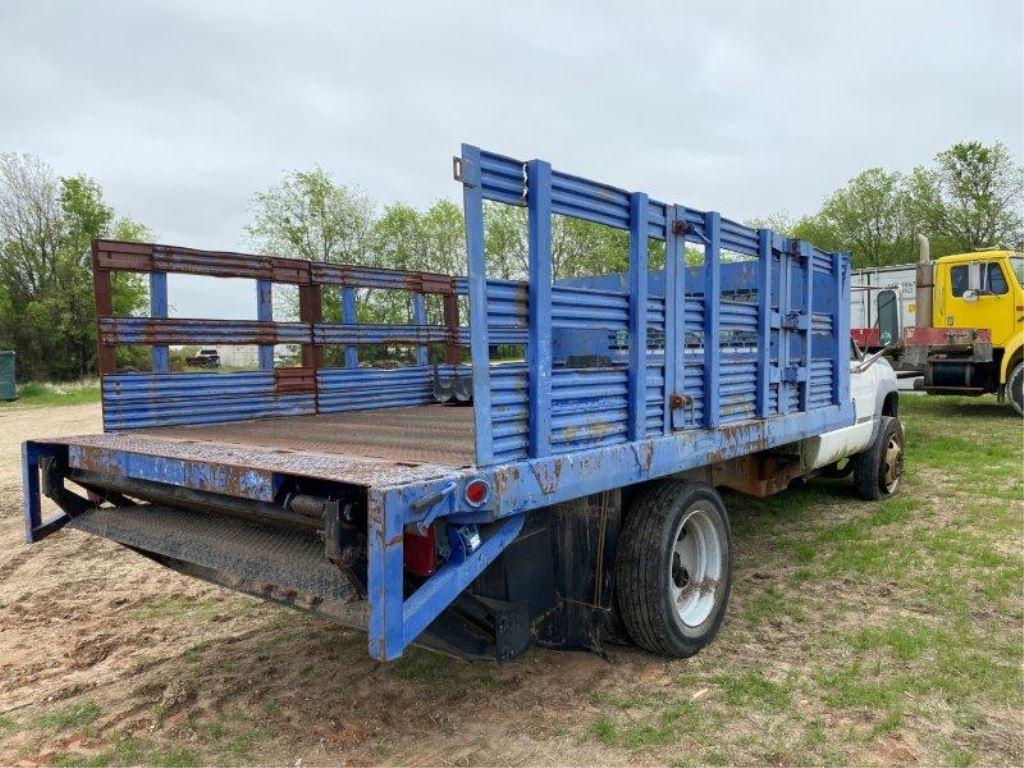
(207, 357)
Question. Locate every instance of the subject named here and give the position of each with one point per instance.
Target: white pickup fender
(868, 389)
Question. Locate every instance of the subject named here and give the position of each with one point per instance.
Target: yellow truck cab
(982, 291)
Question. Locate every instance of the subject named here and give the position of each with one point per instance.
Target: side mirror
(970, 295)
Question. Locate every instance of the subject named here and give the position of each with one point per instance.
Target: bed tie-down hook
(433, 503)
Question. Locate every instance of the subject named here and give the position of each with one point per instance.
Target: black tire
(1015, 388)
(878, 471)
(653, 586)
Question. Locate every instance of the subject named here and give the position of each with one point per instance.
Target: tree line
(47, 224)
(969, 197)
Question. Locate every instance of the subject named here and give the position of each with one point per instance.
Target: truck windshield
(1017, 262)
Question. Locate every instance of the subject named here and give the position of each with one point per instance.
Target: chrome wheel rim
(892, 464)
(695, 568)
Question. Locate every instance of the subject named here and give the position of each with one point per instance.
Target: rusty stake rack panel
(140, 400)
(157, 261)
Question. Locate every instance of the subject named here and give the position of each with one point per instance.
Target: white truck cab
(872, 447)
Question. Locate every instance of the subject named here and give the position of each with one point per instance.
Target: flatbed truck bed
(415, 434)
(476, 529)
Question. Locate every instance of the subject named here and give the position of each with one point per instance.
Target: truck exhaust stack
(925, 284)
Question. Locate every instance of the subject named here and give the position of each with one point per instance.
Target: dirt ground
(830, 653)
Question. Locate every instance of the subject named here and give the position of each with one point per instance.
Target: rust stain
(644, 455)
(156, 257)
(548, 478)
(648, 451)
(294, 380)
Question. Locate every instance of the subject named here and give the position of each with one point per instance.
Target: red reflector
(420, 552)
(477, 492)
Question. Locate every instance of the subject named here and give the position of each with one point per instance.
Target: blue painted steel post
(419, 317)
(473, 207)
(785, 280)
(675, 317)
(348, 316)
(265, 314)
(158, 308)
(764, 319)
(36, 528)
(385, 576)
(841, 328)
(807, 256)
(712, 328)
(637, 405)
(30, 489)
(538, 179)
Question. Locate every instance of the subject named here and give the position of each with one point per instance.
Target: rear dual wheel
(674, 568)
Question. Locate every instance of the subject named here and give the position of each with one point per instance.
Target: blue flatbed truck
(572, 503)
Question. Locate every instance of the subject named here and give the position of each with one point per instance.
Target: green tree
(443, 233)
(310, 216)
(506, 241)
(971, 199)
(578, 248)
(404, 238)
(869, 216)
(781, 223)
(46, 299)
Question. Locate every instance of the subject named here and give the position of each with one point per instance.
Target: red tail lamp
(420, 552)
(477, 492)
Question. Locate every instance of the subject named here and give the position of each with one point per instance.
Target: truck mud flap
(284, 566)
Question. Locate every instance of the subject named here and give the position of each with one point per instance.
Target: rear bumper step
(286, 566)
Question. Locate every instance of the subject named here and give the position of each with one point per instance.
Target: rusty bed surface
(418, 434)
(387, 447)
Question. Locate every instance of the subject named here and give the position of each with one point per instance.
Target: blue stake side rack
(694, 365)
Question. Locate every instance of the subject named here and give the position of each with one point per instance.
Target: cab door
(979, 296)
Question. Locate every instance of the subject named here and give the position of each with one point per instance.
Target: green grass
(75, 715)
(131, 752)
(876, 618)
(659, 728)
(753, 689)
(231, 737)
(8, 724)
(227, 739)
(176, 607)
(36, 394)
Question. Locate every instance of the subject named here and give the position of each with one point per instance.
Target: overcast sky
(181, 110)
